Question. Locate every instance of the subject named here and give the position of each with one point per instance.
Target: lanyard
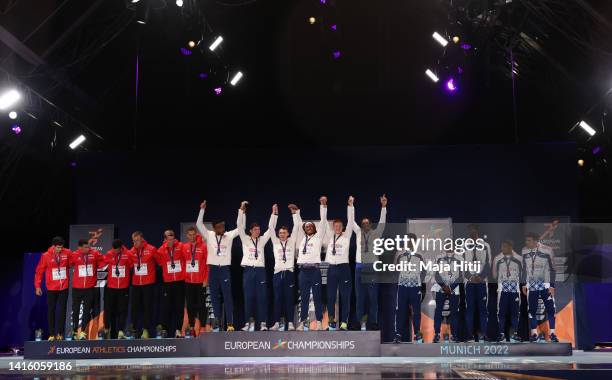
(58, 262)
(139, 255)
(284, 247)
(117, 265)
(365, 237)
(306, 238)
(171, 253)
(533, 257)
(218, 238)
(336, 238)
(507, 267)
(474, 255)
(193, 252)
(255, 244)
(85, 257)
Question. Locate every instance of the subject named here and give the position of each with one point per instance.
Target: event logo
(280, 344)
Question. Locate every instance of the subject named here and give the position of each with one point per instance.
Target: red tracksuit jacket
(196, 254)
(86, 266)
(118, 262)
(55, 269)
(144, 260)
(166, 257)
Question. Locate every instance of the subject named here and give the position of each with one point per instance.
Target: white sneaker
(177, 334)
(251, 326)
(300, 326)
(263, 326)
(274, 327)
(246, 327)
(291, 327)
(363, 326)
(319, 326)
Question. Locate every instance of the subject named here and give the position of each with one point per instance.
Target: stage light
(596, 150)
(16, 129)
(203, 75)
(218, 91)
(142, 13)
(334, 27)
(456, 39)
(236, 78)
(336, 54)
(179, 3)
(451, 86)
(216, 43)
(441, 40)
(185, 51)
(312, 20)
(9, 99)
(588, 129)
(78, 141)
(581, 162)
(12, 115)
(432, 76)
(191, 44)
(135, 1)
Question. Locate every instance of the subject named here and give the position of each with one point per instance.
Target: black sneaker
(553, 338)
(397, 339)
(436, 338)
(541, 338)
(453, 339)
(446, 338)
(501, 337)
(515, 338)
(533, 338)
(418, 338)
(331, 326)
(482, 339)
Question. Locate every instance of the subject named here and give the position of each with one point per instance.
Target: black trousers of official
(56, 303)
(173, 305)
(116, 303)
(142, 306)
(195, 295)
(86, 298)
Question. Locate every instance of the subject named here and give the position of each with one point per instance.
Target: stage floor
(582, 365)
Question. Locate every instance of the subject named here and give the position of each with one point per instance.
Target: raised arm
(240, 222)
(271, 231)
(323, 226)
(200, 222)
(380, 227)
(297, 233)
(350, 215)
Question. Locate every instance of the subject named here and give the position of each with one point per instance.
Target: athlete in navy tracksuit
(254, 279)
(409, 294)
(366, 285)
(447, 282)
(339, 272)
(284, 280)
(476, 288)
(507, 269)
(539, 280)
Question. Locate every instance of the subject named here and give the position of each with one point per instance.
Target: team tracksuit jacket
(539, 275)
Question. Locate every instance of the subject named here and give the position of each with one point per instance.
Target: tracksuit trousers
(508, 303)
(195, 295)
(532, 307)
(284, 296)
(56, 303)
(453, 299)
(142, 305)
(310, 279)
(173, 305)
(255, 289)
(85, 297)
(339, 279)
(366, 293)
(116, 308)
(476, 302)
(220, 283)
(407, 297)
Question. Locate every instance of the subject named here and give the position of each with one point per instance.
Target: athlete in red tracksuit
(116, 293)
(85, 262)
(54, 265)
(170, 258)
(196, 278)
(144, 259)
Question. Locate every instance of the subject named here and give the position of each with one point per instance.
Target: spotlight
(336, 54)
(16, 129)
(441, 40)
(218, 91)
(312, 20)
(142, 13)
(179, 3)
(236, 78)
(456, 39)
(134, 1)
(9, 98)
(191, 44)
(216, 43)
(581, 162)
(12, 115)
(78, 141)
(432, 76)
(451, 86)
(588, 129)
(185, 51)
(334, 27)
